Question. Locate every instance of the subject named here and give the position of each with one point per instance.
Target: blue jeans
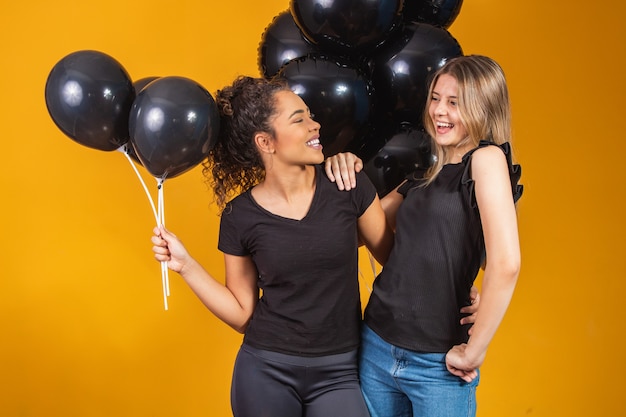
(398, 382)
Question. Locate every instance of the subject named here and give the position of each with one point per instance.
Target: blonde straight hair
(483, 103)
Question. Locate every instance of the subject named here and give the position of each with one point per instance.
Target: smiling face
(296, 134)
(450, 133)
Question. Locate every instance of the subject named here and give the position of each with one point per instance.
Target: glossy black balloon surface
(402, 70)
(404, 152)
(281, 42)
(435, 12)
(174, 124)
(89, 96)
(346, 26)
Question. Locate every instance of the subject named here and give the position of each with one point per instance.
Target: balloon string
(124, 150)
(161, 222)
(372, 263)
(364, 281)
(159, 217)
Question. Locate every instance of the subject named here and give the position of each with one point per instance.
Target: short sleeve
(515, 172)
(229, 238)
(364, 194)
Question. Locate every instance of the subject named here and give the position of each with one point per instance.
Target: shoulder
(365, 188)
(238, 204)
(363, 178)
(489, 158)
(489, 153)
(489, 164)
(364, 183)
(357, 199)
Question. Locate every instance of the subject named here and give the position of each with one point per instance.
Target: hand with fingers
(168, 248)
(471, 310)
(460, 364)
(341, 169)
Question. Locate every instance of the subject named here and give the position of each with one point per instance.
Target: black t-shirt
(437, 253)
(308, 269)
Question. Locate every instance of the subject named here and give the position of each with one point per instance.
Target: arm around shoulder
(391, 203)
(375, 232)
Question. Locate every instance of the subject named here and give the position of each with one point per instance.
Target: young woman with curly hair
(290, 242)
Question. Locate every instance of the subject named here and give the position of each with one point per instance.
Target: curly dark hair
(234, 165)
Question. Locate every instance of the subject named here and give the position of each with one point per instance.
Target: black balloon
(89, 95)
(338, 94)
(435, 12)
(174, 124)
(281, 42)
(138, 85)
(371, 142)
(142, 82)
(402, 69)
(407, 150)
(349, 26)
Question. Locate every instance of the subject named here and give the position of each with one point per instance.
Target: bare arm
(391, 203)
(499, 222)
(232, 303)
(375, 233)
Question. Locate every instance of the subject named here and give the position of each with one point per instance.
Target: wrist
(187, 266)
(475, 355)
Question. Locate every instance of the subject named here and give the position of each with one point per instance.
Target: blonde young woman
(416, 357)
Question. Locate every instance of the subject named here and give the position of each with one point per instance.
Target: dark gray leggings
(270, 384)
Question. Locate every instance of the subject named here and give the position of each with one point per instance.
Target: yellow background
(82, 325)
